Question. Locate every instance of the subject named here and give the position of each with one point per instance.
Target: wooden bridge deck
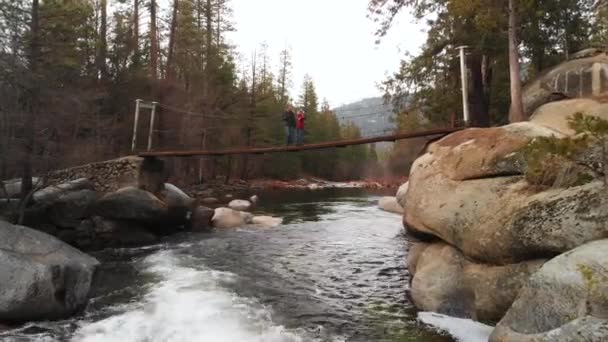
(307, 147)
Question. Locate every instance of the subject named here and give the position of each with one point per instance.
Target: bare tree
(172, 32)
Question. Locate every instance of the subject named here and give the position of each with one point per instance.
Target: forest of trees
(70, 71)
(546, 33)
(509, 43)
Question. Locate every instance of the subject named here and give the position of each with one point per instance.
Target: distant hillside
(372, 116)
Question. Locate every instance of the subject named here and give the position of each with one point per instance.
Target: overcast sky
(331, 40)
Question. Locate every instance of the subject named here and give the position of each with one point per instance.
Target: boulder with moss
(566, 300)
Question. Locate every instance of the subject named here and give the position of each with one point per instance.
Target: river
(334, 271)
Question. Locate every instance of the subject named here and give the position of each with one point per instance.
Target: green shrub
(558, 162)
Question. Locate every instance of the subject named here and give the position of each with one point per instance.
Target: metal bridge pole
(135, 122)
(465, 86)
(151, 130)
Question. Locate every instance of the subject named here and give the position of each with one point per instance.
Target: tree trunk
(478, 96)
(210, 63)
(516, 113)
(30, 101)
(153, 42)
(102, 52)
(136, 32)
(172, 32)
(252, 109)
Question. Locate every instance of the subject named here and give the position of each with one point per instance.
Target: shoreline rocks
(42, 278)
(240, 205)
(225, 218)
(563, 300)
(391, 205)
(490, 246)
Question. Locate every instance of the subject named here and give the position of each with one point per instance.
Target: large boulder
(566, 300)
(42, 278)
(134, 204)
(390, 204)
(241, 205)
(478, 153)
(555, 115)
(444, 281)
(69, 209)
(229, 218)
(492, 214)
(581, 77)
(50, 194)
(174, 197)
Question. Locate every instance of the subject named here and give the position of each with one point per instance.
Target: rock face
(555, 114)
(390, 204)
(445, 281)
(41, 277)
(132, 204)
(582, 77)
(564, 301)
(229, 218)
(491, 213)
(486, 230)
(241, 205)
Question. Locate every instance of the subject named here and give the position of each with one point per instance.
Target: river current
(334, 271)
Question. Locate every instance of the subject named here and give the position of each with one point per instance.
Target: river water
(334, 271)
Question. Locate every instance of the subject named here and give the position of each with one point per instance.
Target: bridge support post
(153, 174)
(151, 130)
(464, 77)
(135, 123)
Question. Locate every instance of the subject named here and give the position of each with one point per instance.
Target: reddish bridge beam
(319, 146)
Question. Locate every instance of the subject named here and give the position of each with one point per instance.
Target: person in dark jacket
(289, 117)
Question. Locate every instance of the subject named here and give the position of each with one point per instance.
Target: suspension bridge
(199, 129)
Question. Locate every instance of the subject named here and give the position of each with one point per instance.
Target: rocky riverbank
(487, 244)
(45, 277)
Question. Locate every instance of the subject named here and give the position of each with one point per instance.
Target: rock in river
(69, 209)
(229, 218)
(390, 204)
(241, 205)
(132, 204)
(267, 221)
(41, 277)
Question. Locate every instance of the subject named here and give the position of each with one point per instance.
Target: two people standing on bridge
(294, 125)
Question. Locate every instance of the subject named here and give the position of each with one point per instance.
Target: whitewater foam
(188, 304)
(463, 330)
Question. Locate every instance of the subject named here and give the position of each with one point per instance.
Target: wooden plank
(318, 146)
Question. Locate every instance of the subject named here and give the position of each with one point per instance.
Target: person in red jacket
(300, 118)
